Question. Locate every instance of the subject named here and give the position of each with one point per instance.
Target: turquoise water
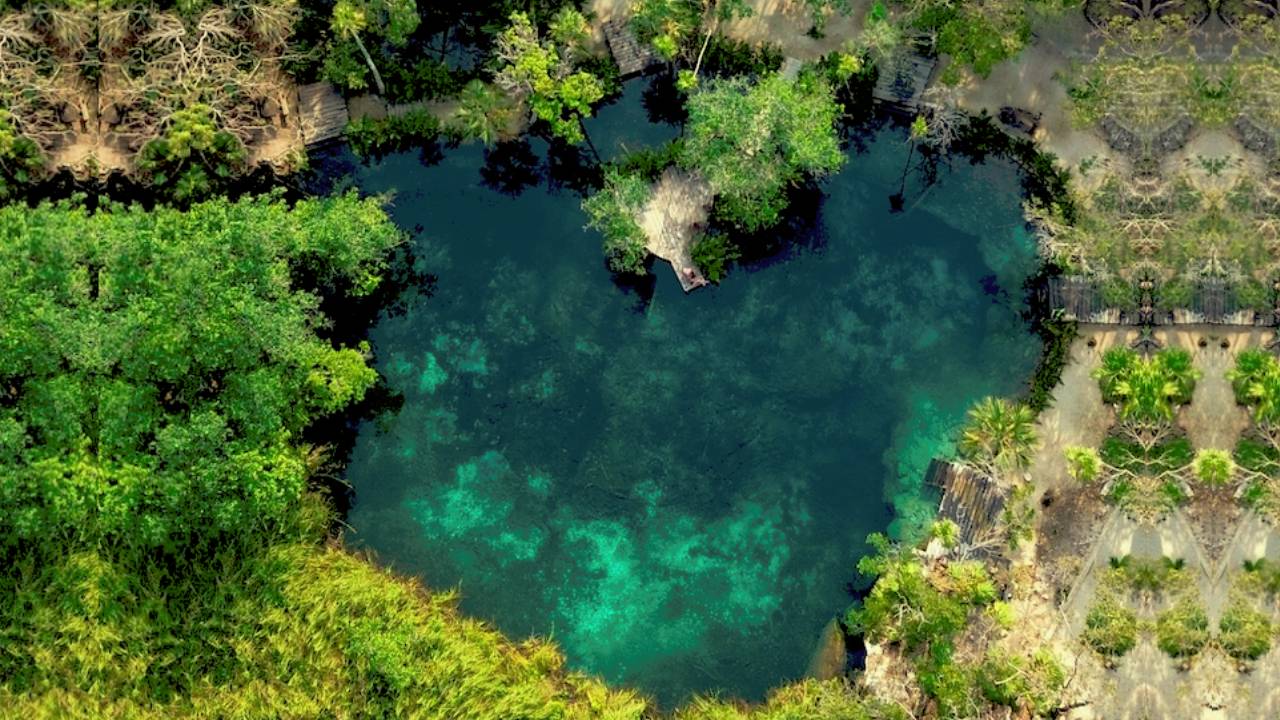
(677, 488)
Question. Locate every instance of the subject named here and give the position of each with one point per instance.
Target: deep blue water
(677, 490)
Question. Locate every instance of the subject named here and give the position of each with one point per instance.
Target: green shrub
(193, 157)
(21, 161)
(1032, 683)
(1110, 628)
(1147, 390)
(1182, 630)
(1214, 467)
(615, 211)
(1244, 633)
(1057, 336)
(370, 136)
(712, 253)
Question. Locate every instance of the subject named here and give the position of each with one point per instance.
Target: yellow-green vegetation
(1141, 585)
(1181, 237)
(294, 628)
(1146, 390)
(1256, 382)
(999, 438)
(920, 607)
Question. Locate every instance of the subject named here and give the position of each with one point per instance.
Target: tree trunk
(377, 77)
(585, 136)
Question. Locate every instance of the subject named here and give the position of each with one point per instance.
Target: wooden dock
(322, 113)
(677, 211)
(632, 57)
(903, 81)
(970, 500)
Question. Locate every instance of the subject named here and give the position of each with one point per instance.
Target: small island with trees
(187, 291)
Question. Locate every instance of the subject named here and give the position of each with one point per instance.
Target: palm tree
(1117, 364)
(1251, 366)
(999, 437)
(483, 112)
(349, 21)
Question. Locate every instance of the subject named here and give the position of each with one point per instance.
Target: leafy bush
(712, 253)
(193, 158)
(1146, 389)
(370, 136)
(1030, 683)
(1256, 381)
(1083, 464)
(1214, 467)
(614, 211)
(21, 161)
(166, 405)
(1111, 629)
(1244, 632)
(1182, 630)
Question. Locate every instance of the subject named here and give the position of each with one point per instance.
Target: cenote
(677, 488)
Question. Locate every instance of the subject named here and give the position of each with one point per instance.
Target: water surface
(677, 490)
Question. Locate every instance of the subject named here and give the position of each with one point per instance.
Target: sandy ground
(1031, 82)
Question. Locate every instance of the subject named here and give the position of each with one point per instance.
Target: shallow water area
(676, 488)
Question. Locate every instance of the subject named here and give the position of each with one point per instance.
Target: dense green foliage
(753, 141)
(548, 72)
(1256, 381)
(999, 437)
(370, 136)
(615, 212)
(193, 157)
(1147, 390)
(21, 161)
(159, 368)
(712, 253)
(1058, 337)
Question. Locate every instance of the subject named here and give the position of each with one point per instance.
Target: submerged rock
(828, 659)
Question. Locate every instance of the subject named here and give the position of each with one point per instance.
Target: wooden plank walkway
(903, 82)
(677, 210)
(971, 501)
(633, 58)
(322, 113)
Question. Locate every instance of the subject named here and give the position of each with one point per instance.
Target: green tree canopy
(753, 141)
(157, 369)
(543, 71)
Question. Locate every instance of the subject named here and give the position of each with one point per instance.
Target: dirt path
(1031, 82)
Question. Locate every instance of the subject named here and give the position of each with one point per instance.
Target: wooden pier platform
(633, 58)
(902, 83)
(322, 113)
